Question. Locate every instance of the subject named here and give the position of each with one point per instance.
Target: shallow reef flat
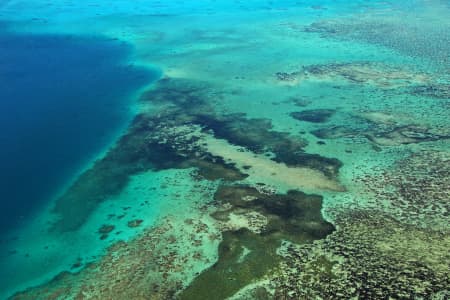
(371, 256)
(275, 158)
(395, 30)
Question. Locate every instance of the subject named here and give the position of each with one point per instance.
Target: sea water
(198, 191)
(64, 99)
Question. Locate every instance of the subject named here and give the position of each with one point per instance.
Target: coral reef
(408, 134)
(247, 254)
(376, 74)
(370, 256)
(158, 140)
(398, 250)
(265, 218)
(261, 168)
(424, 40)
(415, 189)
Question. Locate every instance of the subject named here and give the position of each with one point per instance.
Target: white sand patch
(267, 171)
(380, 117)
(251, 220)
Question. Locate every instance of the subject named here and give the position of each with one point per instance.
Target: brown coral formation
(370, 256)
(248, 251)
(415, 189)
(397, 251)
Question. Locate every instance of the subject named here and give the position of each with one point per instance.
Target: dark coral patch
(105, 230)
(313, 115)
(135, 223)
(139, 150)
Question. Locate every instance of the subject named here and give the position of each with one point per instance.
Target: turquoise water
(224, 149)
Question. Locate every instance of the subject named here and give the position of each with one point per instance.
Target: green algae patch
(232, 271)
(248, 252)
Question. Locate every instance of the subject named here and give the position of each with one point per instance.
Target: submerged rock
(313, 115)
(135, 223)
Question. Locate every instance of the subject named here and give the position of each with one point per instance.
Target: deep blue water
(62, 99)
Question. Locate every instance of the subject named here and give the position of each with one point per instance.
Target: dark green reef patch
(313, 115)
(246, 254)
(159, 140)
(235, 267)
